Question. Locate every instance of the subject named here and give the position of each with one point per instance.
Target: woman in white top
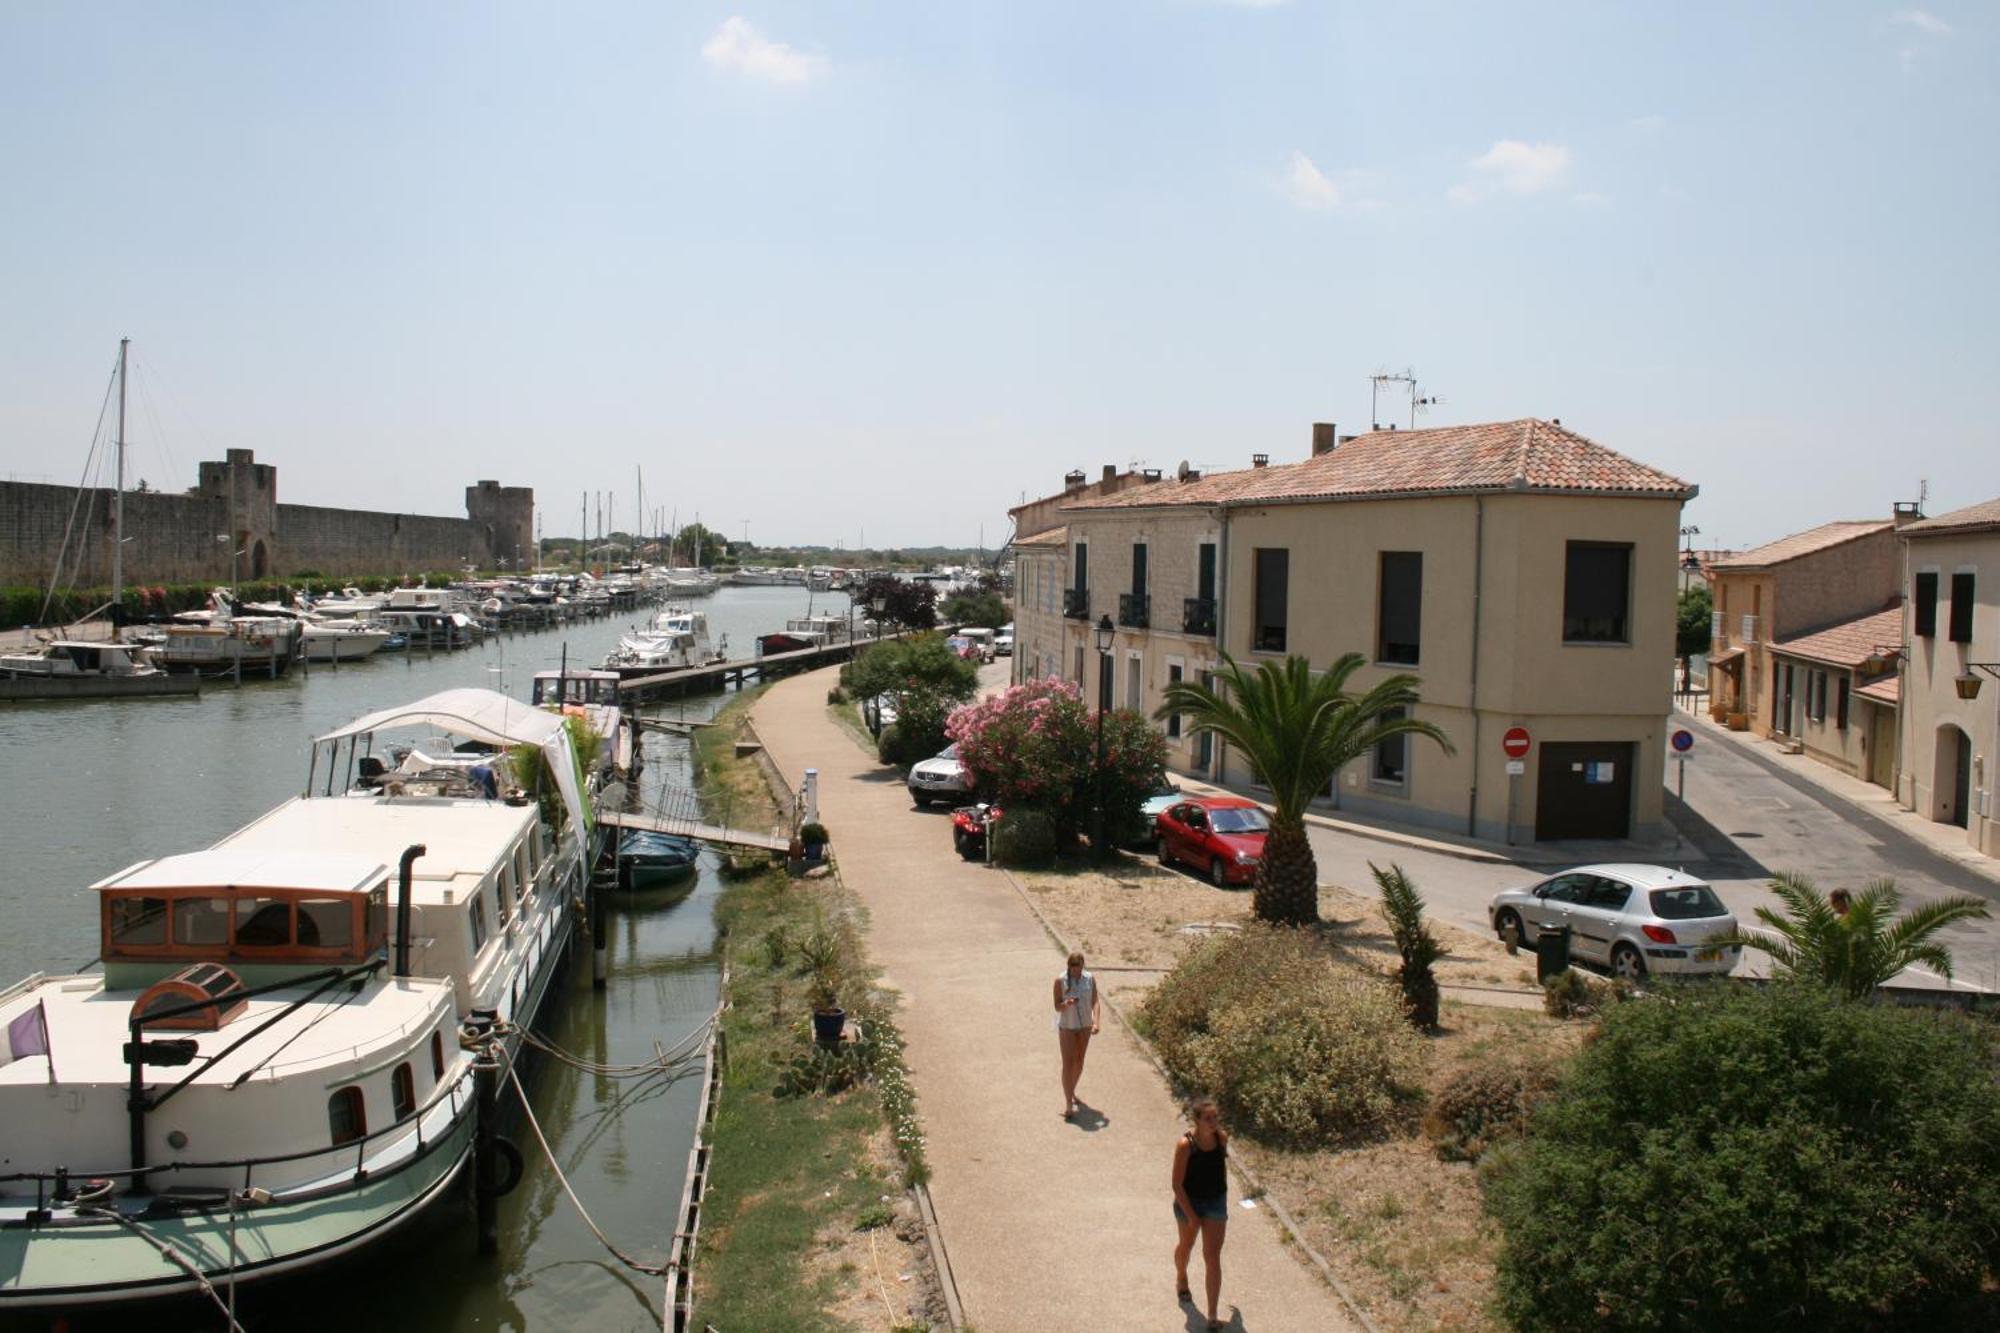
(1076, 1023)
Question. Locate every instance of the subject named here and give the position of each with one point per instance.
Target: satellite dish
(1181, 472)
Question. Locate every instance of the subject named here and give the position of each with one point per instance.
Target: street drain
(1746, 835)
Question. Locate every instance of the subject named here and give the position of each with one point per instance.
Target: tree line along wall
(173, 538)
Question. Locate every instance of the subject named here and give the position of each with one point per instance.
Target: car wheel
(1217, 876)
(1509, 917)
(1166, 857)
(1627, 964)
(958, 839)
(923, 802)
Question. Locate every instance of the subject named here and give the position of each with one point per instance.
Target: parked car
(979, 642)
(1222, 835)
(1632, 919)
(1003, 642)
(941, 778)
(879, 712)
(1150, 810)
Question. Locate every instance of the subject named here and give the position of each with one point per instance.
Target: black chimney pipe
(403, 877)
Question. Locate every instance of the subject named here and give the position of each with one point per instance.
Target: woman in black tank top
(1201, 1200)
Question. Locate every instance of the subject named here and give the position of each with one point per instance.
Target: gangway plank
(694, 828)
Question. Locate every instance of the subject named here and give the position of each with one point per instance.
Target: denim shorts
(1208, 1210)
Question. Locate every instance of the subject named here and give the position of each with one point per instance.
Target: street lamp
(1105, 632)
(878, 604)
(233, 594)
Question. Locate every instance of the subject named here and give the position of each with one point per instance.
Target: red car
(1223, 835)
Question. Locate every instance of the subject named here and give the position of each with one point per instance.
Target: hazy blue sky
(834, 268)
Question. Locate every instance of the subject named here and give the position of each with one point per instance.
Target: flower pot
(815, 852)
(828, 1024)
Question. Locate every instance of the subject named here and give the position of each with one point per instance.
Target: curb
(1245, 1177)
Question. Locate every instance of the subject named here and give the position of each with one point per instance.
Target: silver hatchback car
(1632, 919)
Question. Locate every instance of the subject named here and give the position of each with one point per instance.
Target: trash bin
(1551, 951)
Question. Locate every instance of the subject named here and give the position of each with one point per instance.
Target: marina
(215, 768)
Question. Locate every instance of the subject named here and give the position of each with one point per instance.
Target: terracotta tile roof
(1048, 537)
(1888, 690)
(1968, 519)
(1849, 643)
(1821, 538)
(1524, 455)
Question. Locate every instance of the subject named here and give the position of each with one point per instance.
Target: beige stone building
(1951, 687)
(1041, 565)
(1784, 589)
(1844, 689)
(1524, 573)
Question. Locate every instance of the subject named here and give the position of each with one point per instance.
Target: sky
(869, 274)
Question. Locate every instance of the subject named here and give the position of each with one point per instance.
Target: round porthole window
(176, 1140)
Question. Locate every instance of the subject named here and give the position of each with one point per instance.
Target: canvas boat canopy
(489, 717)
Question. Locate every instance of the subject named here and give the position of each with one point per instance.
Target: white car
(1003, 642)
(1632, 919)
(941, 778)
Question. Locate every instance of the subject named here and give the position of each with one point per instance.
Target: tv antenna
(1419, 401)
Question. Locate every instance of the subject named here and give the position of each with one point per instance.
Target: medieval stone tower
(505, 517)
(249, 492)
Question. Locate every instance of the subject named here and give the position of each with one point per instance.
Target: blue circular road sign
(1683, 741)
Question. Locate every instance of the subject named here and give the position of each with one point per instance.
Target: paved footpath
(1048, 1224)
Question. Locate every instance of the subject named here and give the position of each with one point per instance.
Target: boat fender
(512, 1166)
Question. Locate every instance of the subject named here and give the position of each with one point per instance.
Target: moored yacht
(276, 1064)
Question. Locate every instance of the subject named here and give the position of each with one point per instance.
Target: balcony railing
(1198, 616)
(1134, 609)
(1076, 603)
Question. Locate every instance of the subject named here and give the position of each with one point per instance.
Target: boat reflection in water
(269, 1072)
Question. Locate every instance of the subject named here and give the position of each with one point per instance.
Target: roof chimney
(1151, 474)
(1325, 437)
(1073, 480)
(1260, 460)
(1110, 473)
(1906, 511)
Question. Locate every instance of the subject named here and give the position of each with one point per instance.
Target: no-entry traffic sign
(1516, 742)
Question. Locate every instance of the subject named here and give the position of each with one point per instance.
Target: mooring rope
(527, 1108)
(666, 1059)
(172, 1255)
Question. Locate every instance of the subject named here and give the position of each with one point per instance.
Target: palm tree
(1295, 729)
(1859, 948)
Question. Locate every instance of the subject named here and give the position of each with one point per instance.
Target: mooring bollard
(485, 1176)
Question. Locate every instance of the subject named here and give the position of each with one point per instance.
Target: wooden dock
(638, 682)
(719, 834)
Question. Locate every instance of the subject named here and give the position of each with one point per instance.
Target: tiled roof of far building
(1047, 537)
(1851, 642)
(1524, 455)
(1888, 690)
(1969, 519)
(1802, 543)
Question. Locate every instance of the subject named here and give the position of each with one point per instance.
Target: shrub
(812, 832)
(1484, 1105)
(919, 726)
(836, 695)
(1754, 1158)
(1573, 993)
(1403, 909)
(1024, 838)
(1293, 1047)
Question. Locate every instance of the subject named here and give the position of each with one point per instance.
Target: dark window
(1173, 719)
(1961, 608)
(1204, 581)
(326, 923)
(1926, 604)
(437, 1055)
(403, 1091)
(138, 921)
(263, 923)
(1609, 894)
(477, 915)
(1597, 593)
(1273, 576)
(346, 1117)
(201, 921)
(1840, 714)
(1138, 569)
(1567, 888)
(1687, 904)
(1391, 761)
(1399, 609)
(1081, 566)
(1816, 696)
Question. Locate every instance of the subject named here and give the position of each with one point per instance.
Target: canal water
(89, 788)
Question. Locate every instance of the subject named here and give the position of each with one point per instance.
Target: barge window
(263, 923)
(503, 892)
(138, 921)
(523, 876)
(346, 1116)
(478, 918)
(378, 918)
(437, 1056)
(326, 923)
(201, 921)
(403, 1091)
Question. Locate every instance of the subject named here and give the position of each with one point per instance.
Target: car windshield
(949, 752)
(1684, 904)
(1239, 819)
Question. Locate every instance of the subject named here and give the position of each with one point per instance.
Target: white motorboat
(335, 641)
(87, 669)
(277, 1063)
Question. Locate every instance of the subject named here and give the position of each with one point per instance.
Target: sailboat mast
(118, 503)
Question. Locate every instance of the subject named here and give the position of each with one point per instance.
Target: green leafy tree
(1692, 622)
(1403, 908)
(1854, 944)
(1295, 729)
(898, 667)
(975, 608)
(695, 545)
(1738, 1158)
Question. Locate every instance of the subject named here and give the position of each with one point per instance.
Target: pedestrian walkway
(1842, 789)
(1049, 1224)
